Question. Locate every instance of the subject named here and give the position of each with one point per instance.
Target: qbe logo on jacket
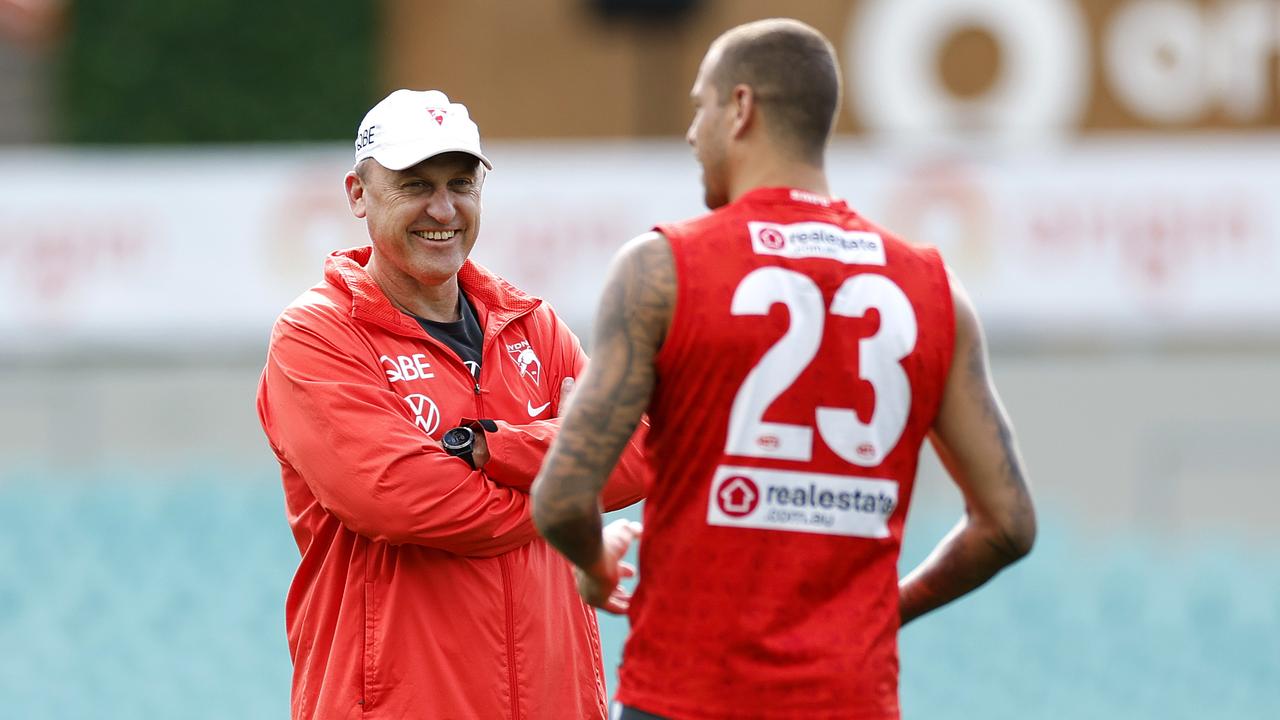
(801, 502)
(406, 367)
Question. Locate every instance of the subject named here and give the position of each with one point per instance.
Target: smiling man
(410, 398)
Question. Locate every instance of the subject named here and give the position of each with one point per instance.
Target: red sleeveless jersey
(804, 365)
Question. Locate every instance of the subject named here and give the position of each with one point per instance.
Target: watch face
(457, 438)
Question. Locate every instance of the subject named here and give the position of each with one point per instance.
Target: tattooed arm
(975, 442)
(635, 312)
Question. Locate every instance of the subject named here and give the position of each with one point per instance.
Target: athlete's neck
(797, 175)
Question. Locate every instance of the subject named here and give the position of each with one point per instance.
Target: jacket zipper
(491, 338)
(512, 675)
(484, 347)
(503, 561)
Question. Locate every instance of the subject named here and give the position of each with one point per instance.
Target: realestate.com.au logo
(738, 496)
(772, 239)
(801, 501)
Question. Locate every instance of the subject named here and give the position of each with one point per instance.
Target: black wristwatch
(460, 442)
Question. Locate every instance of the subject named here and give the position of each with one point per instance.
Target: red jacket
(424, 590)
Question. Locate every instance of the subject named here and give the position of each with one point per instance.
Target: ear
(743, 98)
(355, 194)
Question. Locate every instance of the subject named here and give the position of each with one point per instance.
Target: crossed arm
(345, 437)
(635, 313)
(341, 432)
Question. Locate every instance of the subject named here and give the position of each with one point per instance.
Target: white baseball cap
(409, 126)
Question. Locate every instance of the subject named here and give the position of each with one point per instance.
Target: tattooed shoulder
(640, 298)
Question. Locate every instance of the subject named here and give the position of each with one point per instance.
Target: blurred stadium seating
(127, 597)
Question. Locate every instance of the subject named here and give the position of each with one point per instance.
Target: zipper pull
(477, 387)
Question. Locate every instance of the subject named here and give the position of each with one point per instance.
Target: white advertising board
(1113, 240)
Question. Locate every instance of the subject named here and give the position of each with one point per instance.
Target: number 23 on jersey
(879, 363)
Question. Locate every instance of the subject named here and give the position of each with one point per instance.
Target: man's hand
(566, 389)
(599, 585)
(480, 450)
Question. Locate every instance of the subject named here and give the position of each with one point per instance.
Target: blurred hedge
(158, 71)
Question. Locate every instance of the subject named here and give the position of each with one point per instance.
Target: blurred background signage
(913, 68)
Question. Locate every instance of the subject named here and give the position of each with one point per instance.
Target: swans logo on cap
(437, 114)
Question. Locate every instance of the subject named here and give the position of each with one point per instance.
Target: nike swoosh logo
(536, 411)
